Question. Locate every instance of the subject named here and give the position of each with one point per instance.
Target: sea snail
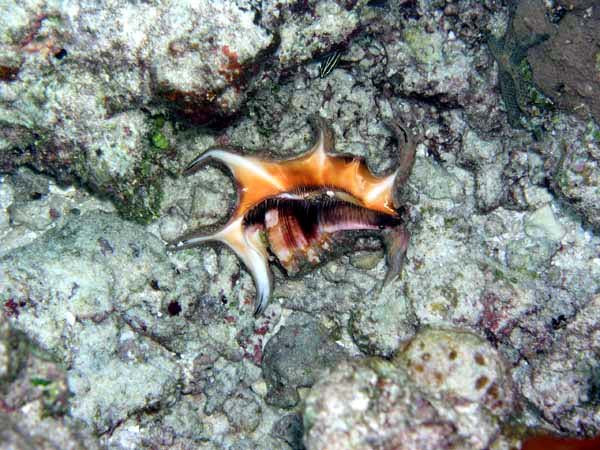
(299, 211)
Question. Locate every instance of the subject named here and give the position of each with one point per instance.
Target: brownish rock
(566, 67)
(530, 18)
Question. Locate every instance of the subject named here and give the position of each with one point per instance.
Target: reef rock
(448, 390)
(567, 66)
(75, 77)
(564, 382)
(295, 356)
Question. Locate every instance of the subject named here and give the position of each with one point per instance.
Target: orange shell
(259, 179)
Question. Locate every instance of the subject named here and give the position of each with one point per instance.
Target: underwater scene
(300, 225)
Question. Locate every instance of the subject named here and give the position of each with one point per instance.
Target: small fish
(329, 63)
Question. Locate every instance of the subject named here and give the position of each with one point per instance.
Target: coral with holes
(447, 390)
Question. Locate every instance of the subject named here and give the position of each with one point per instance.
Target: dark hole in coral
(558, 13)
(299, 7)
(435, 154)
(377, 3)
(174, 308)
(537, 133)
(8, 73)
(594, 385)
(135, 251)
(75, 211)
(54, 214)
(223, 299)
(402, 210)
(98, 153)
(60, 54)
(105, 246)
(290, 428)
(35, 195)
(491, 337)
(558, 322)
(257, 17)
(154, 285)
(547, 183)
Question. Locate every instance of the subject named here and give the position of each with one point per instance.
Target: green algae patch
(40, 382)
(141, 203)
(132, 181)
(158, 138)
(160, 141)
(425, 47)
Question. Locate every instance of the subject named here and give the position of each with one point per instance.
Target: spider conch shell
(299, 208)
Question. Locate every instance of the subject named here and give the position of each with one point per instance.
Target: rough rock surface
(383, 324)
(575, 169)
(567, 66)
(81, 75)
(113, 329)
(34, 398)
(563, 383)
(447, 390)
(73, 316)
(317, 25)
(504, 226)
(295, 356)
